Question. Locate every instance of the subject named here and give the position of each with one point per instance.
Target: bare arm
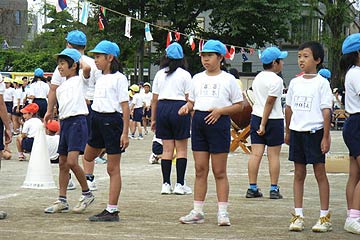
(51, 103)
(124, 140)
(326, 140)
(269, 104)
(288, 114)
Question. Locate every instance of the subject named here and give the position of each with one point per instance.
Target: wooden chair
(339, 117)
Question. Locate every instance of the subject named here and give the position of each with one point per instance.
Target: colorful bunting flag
(201, 44)
(148, 35)
(60, 5)
(259, 53)
(232, 52)
(102, 20)
(84, 13)
(191, 42)
(128, 27)
(244, 57)
(252, 51)
(170, 38)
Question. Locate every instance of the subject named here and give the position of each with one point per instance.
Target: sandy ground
(145, 214)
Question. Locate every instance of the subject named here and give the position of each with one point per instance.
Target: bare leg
(201, 172)
(323, 184)
(257, 151)
(219, 164)
(274, 163)
(299, 179)
(113, 169)
(353, 180)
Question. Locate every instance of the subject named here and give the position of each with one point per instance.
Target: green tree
(336, 16)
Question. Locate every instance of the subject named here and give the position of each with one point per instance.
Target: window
(18, 17)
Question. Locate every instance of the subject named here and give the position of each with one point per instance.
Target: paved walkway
(145, 214)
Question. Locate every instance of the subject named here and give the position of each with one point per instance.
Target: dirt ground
(145, 214)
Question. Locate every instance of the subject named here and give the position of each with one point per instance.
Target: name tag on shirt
(210, 90)
(302, 103)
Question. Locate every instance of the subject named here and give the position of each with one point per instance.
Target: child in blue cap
(267, 121)
(109, 122)
(350, 67)
(307, 114)
(39, 91)
(73, 133)
(214, 96)
(171, 87)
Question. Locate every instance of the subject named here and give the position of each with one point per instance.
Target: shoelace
(325, 219)
(294, 218)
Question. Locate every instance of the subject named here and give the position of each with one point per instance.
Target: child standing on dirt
(350, 67)
(307, 114)
(73, 128)
(109, 123)
(215, 95)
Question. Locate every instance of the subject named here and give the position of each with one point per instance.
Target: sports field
(145, 214)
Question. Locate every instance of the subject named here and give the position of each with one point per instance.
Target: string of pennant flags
(171, 36)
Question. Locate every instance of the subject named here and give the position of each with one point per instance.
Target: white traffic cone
(39, 173)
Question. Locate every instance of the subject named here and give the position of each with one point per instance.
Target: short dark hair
(316, 49)
(269, 65)
(70, 62)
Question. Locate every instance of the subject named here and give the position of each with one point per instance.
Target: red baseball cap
(53, 125)
(31, 108)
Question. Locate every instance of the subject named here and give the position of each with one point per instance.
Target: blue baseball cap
(325, 73)
(39, 72)
(174, 51)
(71, 53)
(76, 37)
(214, 46)
(107, 47)
(272, 53)
(351, 43)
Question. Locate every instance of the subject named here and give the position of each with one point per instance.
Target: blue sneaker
(100, 160)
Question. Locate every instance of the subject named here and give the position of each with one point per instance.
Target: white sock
(222, 206)
(198, 206)
(111, 208)
(323, 213)
(299, 211)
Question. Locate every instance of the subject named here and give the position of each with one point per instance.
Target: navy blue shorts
(138, 112)
(305, 147)
(274, 131)
(26, 144)
(73, 135)
(351, 134)
(157, 148)
(169, 124)
(42, 103)
(1, 134)
(147, 113)
(106, 130)
(213, 138)
(9, 106)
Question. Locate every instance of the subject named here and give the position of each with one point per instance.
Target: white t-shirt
(147, 97)
(352, 90)
(39, 89)
(214, 91)
(70, 96)
(110, 91)
(89, 83)
(2, 87)
(173, 86)
(28, 92)
(307, 98)
(18, 95)
(31, 127)
(53, 144)
(137, 100)
(266, 84)
(9, 94)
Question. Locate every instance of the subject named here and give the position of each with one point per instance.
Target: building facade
(13, 23)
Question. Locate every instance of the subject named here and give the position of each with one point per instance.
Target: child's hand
(213, 116)
(86, 69)
(124, 141)
(184, 110)
(261, 130)
(325, 145)
(287, 138)
(153, 126)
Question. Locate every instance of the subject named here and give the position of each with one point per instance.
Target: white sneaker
(84, 202)
(3, 215)
(296, 223)
(57, 207)
(71, 185)
(153, 159)
(323, 224)
(352, 225)
(140, 138)
(166, 188)
(192, 218)
(91, 185)
(182, 189)
(223, 219)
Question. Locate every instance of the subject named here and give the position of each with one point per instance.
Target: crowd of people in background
(89, 109)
